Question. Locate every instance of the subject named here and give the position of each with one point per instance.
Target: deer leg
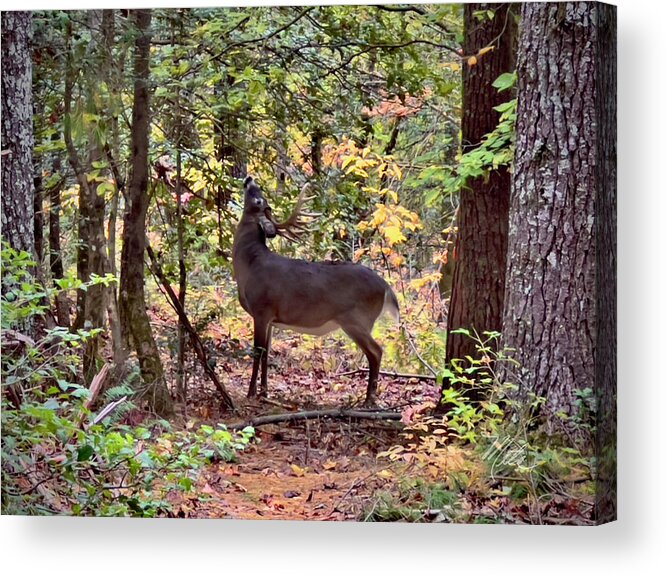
(263, 392)
(373, 352)
(260, 353)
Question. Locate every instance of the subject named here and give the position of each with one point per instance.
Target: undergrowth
(492, 452)
(61, 457)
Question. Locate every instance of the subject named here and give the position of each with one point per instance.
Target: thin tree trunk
(91, 254)
(114, 67)
(38, 208)
(132, 296)
(55, 252)
(481, 242)
(82, 251)
(181, 389)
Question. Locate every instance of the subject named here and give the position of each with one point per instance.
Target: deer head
(255, 206)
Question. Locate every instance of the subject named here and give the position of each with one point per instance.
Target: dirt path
(272, 481)
(324, 470)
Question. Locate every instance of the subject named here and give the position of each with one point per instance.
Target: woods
(468, 148)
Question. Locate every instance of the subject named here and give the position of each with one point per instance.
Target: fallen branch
(197, 344)
(96, 385)
(393, 374)
(109, 409)
(340, 413)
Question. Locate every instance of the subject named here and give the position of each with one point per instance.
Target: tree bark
(483, 214)
(133, 314)
(478, 282)
(17, 134)
(560, 277)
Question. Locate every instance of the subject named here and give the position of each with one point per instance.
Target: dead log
(418, 376)
(340, 413)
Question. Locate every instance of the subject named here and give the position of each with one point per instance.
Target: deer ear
(269, 228)
(248, 181)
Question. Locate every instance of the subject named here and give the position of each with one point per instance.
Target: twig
(197, 344)
(316, 414)
(354, 484)
(416, 351)
(392, 374)
(109, 409)
(96, 385)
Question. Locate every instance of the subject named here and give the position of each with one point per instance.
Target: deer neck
(249, 243)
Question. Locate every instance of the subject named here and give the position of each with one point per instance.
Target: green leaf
(85, 452)
(462, 331)
(506, 106)
(505, 81)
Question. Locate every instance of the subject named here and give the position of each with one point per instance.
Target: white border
(633, 544)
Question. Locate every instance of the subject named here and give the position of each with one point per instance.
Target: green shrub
(57, 458)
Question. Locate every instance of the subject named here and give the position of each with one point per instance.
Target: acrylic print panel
(325, 263)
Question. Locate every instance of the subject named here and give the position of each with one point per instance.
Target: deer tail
(391, 306)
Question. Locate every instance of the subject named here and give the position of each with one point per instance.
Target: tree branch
(340, 413)
(197, 344)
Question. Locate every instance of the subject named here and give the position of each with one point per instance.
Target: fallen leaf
(297, 471)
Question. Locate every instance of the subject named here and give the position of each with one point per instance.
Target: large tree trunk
(17, 134)
(480, 266)
(133, 314)
(559, 285)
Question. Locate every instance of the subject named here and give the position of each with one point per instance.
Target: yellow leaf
(297, 471)
(330, 464)
(386, 474)
(359, 253)
(393, 234)
(485, 50)
(471, 61)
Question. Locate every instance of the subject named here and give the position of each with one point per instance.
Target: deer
(315, 298)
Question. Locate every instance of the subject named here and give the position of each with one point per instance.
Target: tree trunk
(55, 252)
(132, 298)
(558, 283)
(91, 252)
(481, 242)
(181, 387)
(17, 134)
(115, 67)
(38, 210)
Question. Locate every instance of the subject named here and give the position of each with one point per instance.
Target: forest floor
(316, 469)
(328, 469)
